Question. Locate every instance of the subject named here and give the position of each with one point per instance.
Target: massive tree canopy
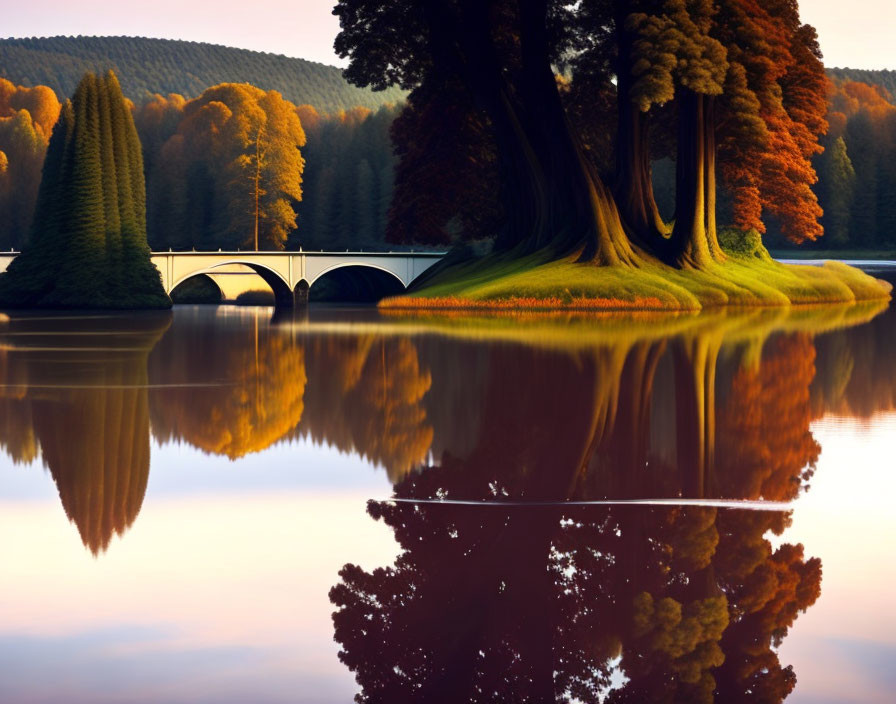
(533, 83)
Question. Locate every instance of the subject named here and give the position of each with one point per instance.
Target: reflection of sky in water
(217, 593)
(180, 469)
(843, 648)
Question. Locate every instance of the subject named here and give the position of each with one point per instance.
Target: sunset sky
(857, 34)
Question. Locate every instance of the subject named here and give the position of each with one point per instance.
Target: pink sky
(857, 33)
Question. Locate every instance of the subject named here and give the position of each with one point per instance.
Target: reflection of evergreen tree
(96, 445)
(88, 413)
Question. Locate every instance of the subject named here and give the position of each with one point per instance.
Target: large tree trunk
(581, 211)
(633, 188)
(553, 199)
(694, 242)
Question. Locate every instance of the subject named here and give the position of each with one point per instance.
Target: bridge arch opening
(200, 289)
(273, 281)
(355, 283)
(282, 292)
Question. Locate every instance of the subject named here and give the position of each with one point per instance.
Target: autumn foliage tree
(229, 173)
(744, 80)
(27, 116)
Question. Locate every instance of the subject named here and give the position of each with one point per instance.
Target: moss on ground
(749, 277)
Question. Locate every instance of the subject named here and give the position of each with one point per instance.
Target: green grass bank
(749, 277)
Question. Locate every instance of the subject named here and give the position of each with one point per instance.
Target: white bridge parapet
(286, 268)
(291, 267)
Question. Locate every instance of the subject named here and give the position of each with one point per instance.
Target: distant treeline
(236, 167)
(856, 172)
(885, 78)
(169, 66)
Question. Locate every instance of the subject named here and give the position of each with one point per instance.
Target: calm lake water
(211, 507)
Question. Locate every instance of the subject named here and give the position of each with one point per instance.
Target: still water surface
(211, 507)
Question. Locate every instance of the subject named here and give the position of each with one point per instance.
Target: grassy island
(749, 277)
(538, 130)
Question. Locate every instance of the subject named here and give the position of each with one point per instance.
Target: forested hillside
(886, 79)
(168, 66)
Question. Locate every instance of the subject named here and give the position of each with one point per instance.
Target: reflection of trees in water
(367, 397)
(488, 604)
(96, 444)
(228, 389)
(764, 424)
(494, 605)
(87, 411)
(857, 369)
(16, 422)
(358, 393)
(694, 413)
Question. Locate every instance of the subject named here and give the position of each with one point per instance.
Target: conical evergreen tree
(88, 245)
(115, 282)
(145, 285)
(81, 253)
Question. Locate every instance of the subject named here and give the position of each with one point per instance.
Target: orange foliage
(848, 98)
(27, 116)
(40, 102)
(765, 423)
(310, 119)
(259, 408)
(776, 99)
(367, 397)
(388, 414)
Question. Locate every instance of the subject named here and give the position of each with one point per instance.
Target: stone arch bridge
(290, 274)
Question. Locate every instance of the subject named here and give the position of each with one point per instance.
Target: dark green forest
(168, 66)
(349, 173)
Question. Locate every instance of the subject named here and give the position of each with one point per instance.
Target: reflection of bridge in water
(291, 274)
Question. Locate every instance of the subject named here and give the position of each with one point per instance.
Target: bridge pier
(284, 299)
(300, 295)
